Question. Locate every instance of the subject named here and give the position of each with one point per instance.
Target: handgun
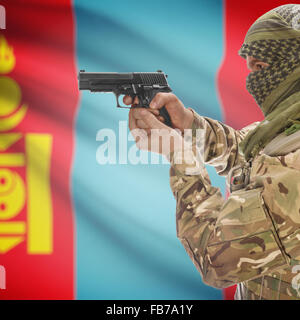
(144, 85)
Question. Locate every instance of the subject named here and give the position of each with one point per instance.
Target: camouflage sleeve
(241, 238)
(221, 142)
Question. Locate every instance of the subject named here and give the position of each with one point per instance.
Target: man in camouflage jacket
(253, 238)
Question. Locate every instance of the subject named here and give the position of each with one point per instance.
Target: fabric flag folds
(38, 99)
(70, 227)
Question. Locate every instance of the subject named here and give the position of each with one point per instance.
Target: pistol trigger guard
(117, 97)
(117, 94)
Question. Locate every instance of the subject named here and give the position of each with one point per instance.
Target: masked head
(274, 39)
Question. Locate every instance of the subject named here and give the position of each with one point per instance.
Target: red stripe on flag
(36, 135)
(239, 107)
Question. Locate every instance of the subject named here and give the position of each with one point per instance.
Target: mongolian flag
(74, 228)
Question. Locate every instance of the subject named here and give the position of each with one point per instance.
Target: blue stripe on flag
(125, 214)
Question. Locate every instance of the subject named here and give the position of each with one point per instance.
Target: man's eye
(261, 66)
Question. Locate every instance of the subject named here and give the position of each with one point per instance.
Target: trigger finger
(127, 100)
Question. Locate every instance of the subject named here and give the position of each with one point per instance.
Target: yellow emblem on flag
(7, 57)
(14, 191)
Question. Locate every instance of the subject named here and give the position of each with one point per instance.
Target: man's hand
(151, 134)
(181, 117)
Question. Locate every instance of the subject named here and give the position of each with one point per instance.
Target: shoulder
(244, 131)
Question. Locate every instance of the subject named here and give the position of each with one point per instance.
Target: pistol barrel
(106, 81)
(103, 80)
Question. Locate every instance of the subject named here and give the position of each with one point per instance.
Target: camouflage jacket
(252, 238)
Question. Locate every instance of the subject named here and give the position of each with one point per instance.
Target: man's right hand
(181, 117)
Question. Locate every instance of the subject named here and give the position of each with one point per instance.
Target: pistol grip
(164, 113)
